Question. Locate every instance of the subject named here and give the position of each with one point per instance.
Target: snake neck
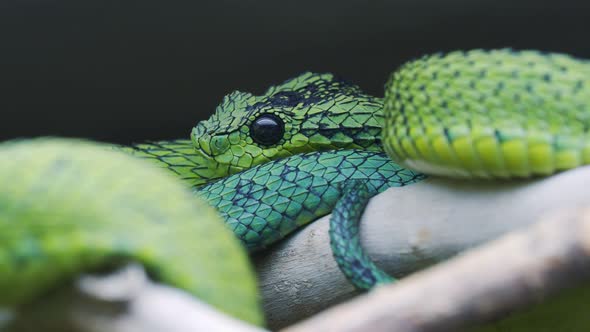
(177, 156)
(346, 124)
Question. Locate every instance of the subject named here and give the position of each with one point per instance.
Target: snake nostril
(219, 144)
(202, 140)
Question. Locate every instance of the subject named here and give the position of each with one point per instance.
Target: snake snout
(201, 138)
(211, 145)
(200, 129)
(207, 141)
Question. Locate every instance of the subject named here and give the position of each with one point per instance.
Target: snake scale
(269, 164)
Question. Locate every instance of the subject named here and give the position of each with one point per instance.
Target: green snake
(269, 164)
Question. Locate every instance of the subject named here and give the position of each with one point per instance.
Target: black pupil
(267, 129)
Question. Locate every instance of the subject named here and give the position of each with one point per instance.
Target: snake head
(307, 113)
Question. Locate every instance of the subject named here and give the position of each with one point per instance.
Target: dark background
(127, 70)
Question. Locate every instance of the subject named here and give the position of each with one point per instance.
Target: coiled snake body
(312, 145)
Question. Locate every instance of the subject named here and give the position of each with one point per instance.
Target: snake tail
(71, 206)
(345, 242)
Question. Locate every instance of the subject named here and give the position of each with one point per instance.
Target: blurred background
(130, 70)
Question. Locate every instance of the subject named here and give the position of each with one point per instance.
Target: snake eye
(267, 129)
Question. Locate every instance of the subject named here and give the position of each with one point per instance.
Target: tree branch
(515, 272)
(406, 229)
(123, 301)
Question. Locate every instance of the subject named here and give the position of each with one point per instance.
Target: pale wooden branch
(406, 229)
(485, 284)
(123, 301)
